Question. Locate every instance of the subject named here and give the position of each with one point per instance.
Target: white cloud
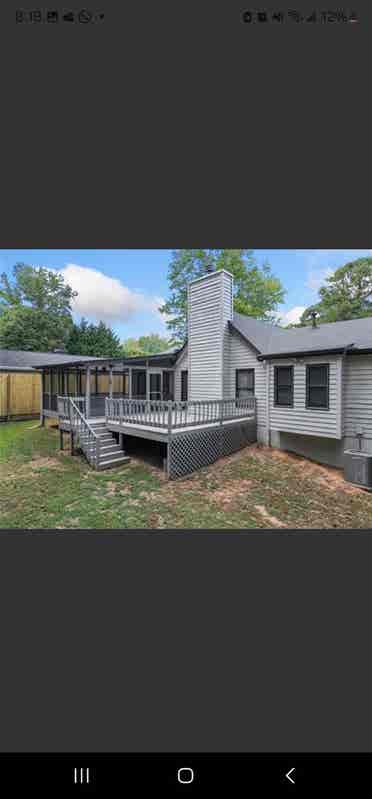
(317, 277)
(321, 264)
(292, 316)
(107, 298)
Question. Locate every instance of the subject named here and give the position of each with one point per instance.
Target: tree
(257, 292)
(144, 345)
(347, 294)
(90, 339)
(35, 309)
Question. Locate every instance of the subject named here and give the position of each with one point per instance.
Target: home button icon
(185, 775)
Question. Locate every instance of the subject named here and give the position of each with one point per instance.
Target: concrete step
(109, 464)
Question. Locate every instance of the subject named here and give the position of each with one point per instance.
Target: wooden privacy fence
(20, 395)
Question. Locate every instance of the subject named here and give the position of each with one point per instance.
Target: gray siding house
(236, 379)
(313, 385)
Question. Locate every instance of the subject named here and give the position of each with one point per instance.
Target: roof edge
(235, 329)
(300, 353)
(91, 361)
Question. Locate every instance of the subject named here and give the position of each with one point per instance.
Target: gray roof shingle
(273, 340)
(25, 358)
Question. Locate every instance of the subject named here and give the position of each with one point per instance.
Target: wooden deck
(152, 432)
(160, 434)
(195, 433)
(160, 420)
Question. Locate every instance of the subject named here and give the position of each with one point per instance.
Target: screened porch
(93, 380)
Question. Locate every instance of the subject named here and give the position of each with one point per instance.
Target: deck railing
(86, 438)
(171, 415)
(63, 406)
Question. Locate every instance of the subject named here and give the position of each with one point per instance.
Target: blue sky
(125, 287)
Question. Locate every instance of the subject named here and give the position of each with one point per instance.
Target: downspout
(343, 357)
(268, 365)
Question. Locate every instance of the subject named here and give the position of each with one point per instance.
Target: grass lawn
(257, 487)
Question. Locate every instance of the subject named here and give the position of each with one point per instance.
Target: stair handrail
(85, 424)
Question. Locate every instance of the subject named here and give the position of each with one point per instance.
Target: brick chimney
(210, 308)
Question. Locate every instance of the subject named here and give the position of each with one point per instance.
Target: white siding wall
(227, 315)
(181, 365)
(242, 356)
(307, 421)
(357, 400)
(209, 309)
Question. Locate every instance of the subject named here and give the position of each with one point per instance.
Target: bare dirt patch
(41, 463)
(327, 476)
(30, 469)
(156, 522)
(149, 495)
(266, 515)
(236, 456)
(231, 490)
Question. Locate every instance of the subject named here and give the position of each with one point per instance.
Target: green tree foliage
(144, 345)
(97, 340)
(347, 294)
(35, 309)
(257, 292)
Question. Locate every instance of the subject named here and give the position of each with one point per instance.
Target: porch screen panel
(72, 388)
(103, 383)
(138, 383)
(117, 383)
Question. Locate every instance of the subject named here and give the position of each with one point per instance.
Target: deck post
(50, 388)
(72, 448)
(169, 418)
(42, 417)
(60, 438)
(110, 382)
(170, 403)
(87, 393)
(130, 383)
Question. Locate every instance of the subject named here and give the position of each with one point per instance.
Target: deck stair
(96, 442)
(110, 452)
